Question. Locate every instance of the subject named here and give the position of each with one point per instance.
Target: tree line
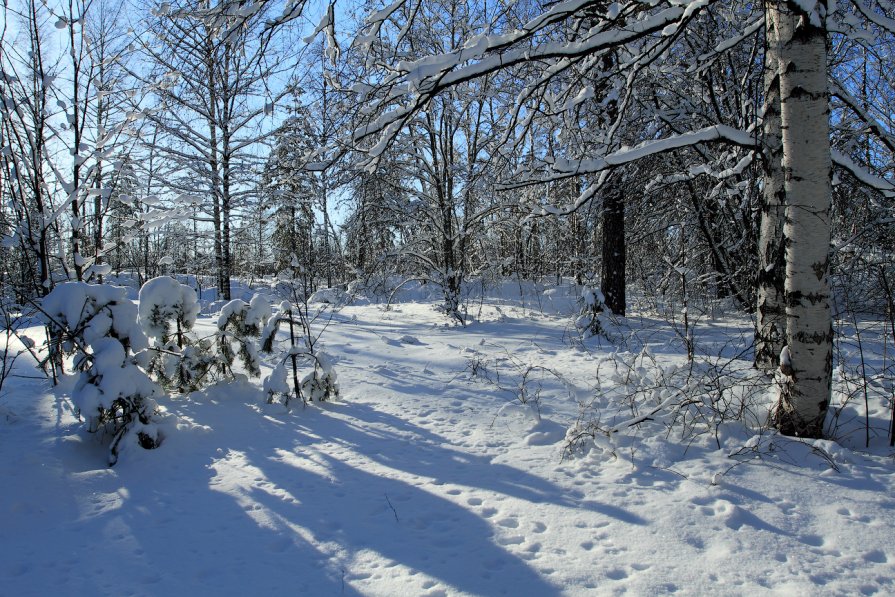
(731, 151)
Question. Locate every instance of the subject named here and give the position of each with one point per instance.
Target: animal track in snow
(787, 508)
(812, 540)
(617, 574)
(876, 556)
(279, 545)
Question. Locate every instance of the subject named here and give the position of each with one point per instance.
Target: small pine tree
(240, 323)
(168, 310)
(97, 325)
(165, 303)
(321, 383)
(592, 313)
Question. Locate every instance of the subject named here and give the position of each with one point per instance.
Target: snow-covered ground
(430, 477)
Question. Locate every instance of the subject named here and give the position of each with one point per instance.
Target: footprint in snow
(509, 523)
(617, 574)
(279, 545)
(812, 540)
(876, 556)
(545, 433)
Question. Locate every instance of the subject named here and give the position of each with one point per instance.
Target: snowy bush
(12, 324)
(523, 382)
(98, 326)
(378, 285)
(330, 296)
(239, 324)
(184, 369)
(165, 303)
(591, 317)
(168, 309)
(321, 383)
(708, 398)
(277, 384)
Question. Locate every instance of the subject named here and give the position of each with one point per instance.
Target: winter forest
(447, 297)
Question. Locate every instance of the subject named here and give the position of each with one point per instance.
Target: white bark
(805, 388)
(771, 315)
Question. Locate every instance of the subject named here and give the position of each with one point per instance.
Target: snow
(647, 148)
(501, 51)
(424, 479)
(256, 312)
(333, 296)
(103, 308)
(162, 301)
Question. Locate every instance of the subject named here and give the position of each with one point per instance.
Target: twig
(395, 512)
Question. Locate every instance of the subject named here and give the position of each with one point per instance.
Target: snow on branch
(422, 79)
(884, 136)
(863, 175)
(327, 26)
(880, 20)
(748, 31)
(564, 168)
(715, 133)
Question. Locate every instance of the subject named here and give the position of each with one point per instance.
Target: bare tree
(210, 67)
(647, 34)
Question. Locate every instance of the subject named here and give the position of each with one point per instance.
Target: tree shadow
(429, 455)
(365, 496)
(383, 529)
(316, 501)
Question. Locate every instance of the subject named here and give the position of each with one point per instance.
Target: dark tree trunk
(612, 279)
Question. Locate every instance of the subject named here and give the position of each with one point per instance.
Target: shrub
(97, 325)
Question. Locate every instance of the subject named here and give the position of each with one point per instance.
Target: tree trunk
(612, 279)
(223, 280)
(226, 209)
(98, 207)
(805, 386)
(225, 116)
(77, 221)
(770, 322)
(216, 216)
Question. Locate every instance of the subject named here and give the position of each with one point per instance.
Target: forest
(626, 228)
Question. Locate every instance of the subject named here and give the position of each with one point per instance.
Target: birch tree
(771, 315)
(806, 360)
(797, 35)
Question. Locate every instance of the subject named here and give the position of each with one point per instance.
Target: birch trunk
(807, 373)
(770, 322)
